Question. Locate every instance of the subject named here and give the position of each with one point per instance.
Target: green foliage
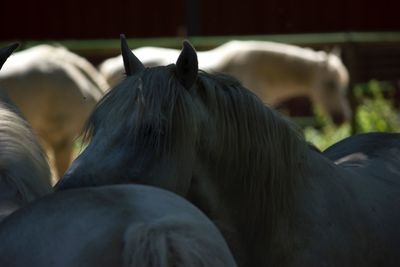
(375, 113)
(79, 147)
(328, 135)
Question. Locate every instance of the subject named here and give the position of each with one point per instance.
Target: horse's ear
(336, 51)
(6, 52)
(131, 63)
(187, 65)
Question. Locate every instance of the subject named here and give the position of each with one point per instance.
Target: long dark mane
(257, 151)
(254, 149)
(148, 110)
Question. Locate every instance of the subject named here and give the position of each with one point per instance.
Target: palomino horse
(118, 226)
(275, 72)
(56, 91)
(214, 142)
(24, 171)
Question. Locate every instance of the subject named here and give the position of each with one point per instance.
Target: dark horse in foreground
(277, 201)
(112, 226)
(24, 170)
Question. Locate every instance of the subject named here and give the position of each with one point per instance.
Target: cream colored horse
(56, 90)
(275, 72)
(24, 171)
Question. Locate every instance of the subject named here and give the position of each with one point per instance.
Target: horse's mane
(153, 105)
(175, 242)
(256, 151)
(22, 160)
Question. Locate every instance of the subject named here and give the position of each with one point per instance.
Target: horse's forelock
(152, 101)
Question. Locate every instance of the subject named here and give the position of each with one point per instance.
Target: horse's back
(113, 70)
(374, 156)
(56, 90)
(364, 146)
(53, 64)
(372, 165)
(38, 77)
(102, 227)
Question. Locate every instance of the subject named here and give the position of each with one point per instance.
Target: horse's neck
(206, 195)
(276, 95)
(319, 198)
(314, 181)
(225, 205)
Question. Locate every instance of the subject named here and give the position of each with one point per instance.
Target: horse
(118, 225)
(362, 147)
(276, 199)
(56, 90)
(24, 171)
(276, 72)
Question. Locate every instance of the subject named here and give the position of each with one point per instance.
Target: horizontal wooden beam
(212, 41)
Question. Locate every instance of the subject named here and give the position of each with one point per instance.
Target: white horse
(275, 72)
(56, 90)
(24, 171)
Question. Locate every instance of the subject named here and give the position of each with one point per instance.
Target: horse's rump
(173, 241)
(121, 225)
(24, 170)
(64, 85)
(21, 155)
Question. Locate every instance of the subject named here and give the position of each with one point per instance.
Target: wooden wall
(89, 19)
